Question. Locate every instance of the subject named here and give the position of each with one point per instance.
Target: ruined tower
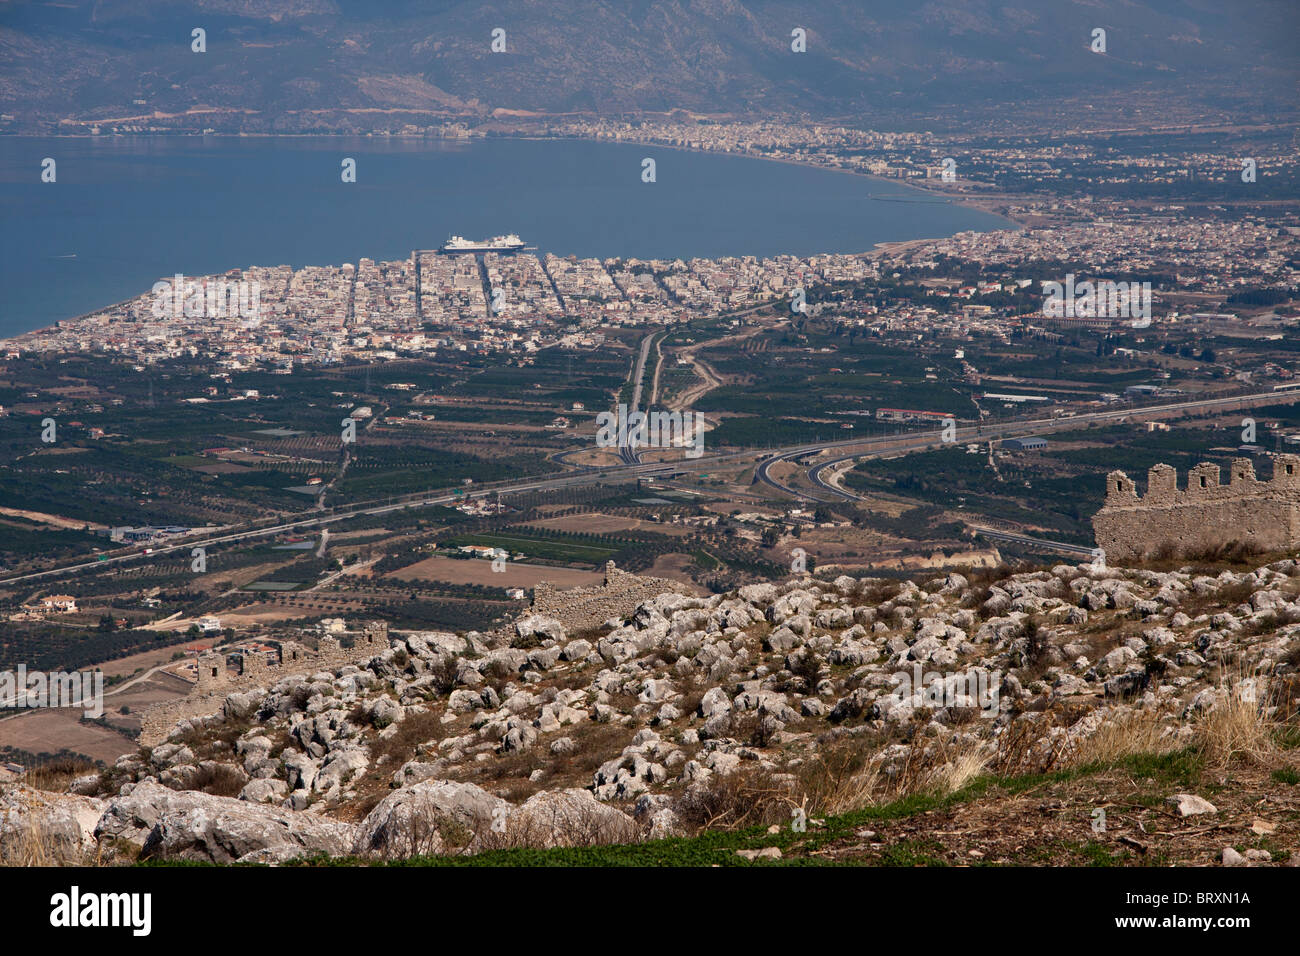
(1205, 514)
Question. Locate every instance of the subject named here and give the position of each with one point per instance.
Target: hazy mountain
(281, 60)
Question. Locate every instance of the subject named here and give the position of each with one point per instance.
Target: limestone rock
(539, 627)
(188, 825)
(434, 816)
(264, 790)
(41, 829)
(1188, 804)
(566, 818)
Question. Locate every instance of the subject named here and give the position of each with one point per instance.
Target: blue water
(127, 210)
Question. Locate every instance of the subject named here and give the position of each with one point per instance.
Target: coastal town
(1006, 153)
(707, 435)
(521, 302)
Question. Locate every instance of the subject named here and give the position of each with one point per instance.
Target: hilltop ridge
(803, 706)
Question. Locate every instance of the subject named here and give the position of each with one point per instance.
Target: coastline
(979, 204)
(877, 249)
(974, 203)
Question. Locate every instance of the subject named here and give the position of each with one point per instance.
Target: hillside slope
(1068, 715)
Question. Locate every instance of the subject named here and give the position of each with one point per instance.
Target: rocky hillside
(1070, 714)
(312, 65)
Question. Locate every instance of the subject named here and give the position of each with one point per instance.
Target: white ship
(510, 243)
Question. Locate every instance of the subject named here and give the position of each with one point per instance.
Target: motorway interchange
(852, 449)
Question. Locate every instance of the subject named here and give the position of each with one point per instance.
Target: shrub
(219, 779)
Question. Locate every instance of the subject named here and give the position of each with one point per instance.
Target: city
(931, 501)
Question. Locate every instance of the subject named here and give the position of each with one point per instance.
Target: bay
(125, 211)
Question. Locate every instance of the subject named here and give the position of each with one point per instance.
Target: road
(628, 452)
(116, 689)
(871, 447)
(1063, 547)
(892, 444)
(245, 533)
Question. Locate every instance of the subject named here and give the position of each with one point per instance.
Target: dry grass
(1240, 727)
(965, 766)
(1024, 746)
(1243, 727)
(36, 845)
(595, 743)
(1134, 734)
(937, 770)
(737, 800)
(833, 781)
(840, 781)
(219, 780)
(419, 728)
(874, 591)
(29, 847)
(56, 775)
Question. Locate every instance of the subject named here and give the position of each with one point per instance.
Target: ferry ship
(457, 244)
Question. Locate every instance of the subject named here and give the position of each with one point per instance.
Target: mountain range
(304, 65)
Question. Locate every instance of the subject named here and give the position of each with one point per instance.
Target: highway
(892, 444)
(1044, 544)
(869, 448)
(628, 452)
(245, 533)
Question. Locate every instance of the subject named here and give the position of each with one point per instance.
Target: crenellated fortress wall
(216, 681)
(575, 608)
(1203, 515)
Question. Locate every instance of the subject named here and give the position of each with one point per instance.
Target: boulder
(264, 790)
(45, 829)
(170, 825)
(714, 703)
(539, 627)
(1188, 804)
(573, 817)
(760, 594)
(435, 816)
(575, 650)
(655, 814)
(340, 767)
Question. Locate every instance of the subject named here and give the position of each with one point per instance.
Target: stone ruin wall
(1206, 514)
(621, 593)
(575, 608)
(215, 681)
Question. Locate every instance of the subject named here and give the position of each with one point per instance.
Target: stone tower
(1204, 515)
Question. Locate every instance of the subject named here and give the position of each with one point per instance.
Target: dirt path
(54, 520)
(659, 367)
(710, 376)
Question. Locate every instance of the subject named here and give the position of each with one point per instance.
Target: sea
(124, 211)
